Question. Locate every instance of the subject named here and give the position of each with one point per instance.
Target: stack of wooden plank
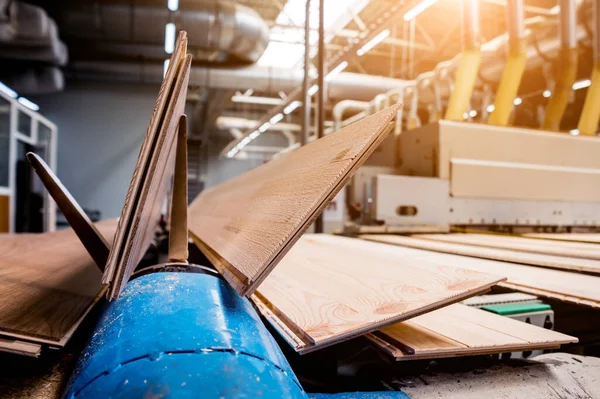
(318, 290)
(152, 175)
(49, 283)
(574, 287)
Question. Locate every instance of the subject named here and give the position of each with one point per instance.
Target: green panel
(516, 308)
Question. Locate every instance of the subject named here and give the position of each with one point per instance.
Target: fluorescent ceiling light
(313, 89)
(169, 38)
(29, 104)
(341, 66)
(165, 67)
(491, 108)
(581, 84)
(263, 128)
(232, 152)
(418, 9)
(518, 101)
(254, 134)
(173, 5)
(373, 42)
(7, 90)
(574, 132)
(275, 119)
(292, 107)
(547, 93)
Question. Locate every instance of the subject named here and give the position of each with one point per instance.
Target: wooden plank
(4, 213)
(20, 347)
(328, 289)
(472, 178)
(521, 244)
(565, 286)
(534, 259)
(48, 282)
(152, 175)
(247, 224)
(577, 237)
(459, 330)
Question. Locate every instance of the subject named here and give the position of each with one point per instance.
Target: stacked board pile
(567, 285)
(49, 283)
(318, 290)
(152, 174)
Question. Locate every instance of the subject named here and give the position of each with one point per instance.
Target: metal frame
(15, 136)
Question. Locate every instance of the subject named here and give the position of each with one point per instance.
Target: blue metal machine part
(183, 335)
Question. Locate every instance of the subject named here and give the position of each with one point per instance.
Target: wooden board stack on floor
(521, 244)
(247, 224)
(49, 283)
(577, 237)
(507, 249)
(577, 288)
(459, 330)
(329, 288)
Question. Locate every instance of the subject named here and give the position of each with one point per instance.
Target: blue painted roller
(182, 335)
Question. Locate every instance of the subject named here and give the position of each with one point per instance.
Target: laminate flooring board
(459, 330)
(566, 286)
(247, 224)
(328, 288)
(577, 237)
(547, 248)
(48, 282)
(527, 258)
(152, 175)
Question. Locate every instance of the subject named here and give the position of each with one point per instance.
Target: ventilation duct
(227, 32)
(259, 78)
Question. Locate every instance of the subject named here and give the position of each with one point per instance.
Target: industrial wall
(100, 130)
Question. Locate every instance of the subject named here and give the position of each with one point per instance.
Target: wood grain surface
(247, 224)
(565, 286)
(534, 259)
(577, 237)
(329, 288)
(48, 282)
(459, 330)
(152, 175)
(528, 245)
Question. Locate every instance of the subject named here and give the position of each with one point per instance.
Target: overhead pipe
(470, 58)
(344, 106)
(259, 78)
(515, 64)
(590, 115)
(232, 32)
(566, 73)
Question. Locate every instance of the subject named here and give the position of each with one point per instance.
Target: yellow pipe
(509, 84)
(566, 75)
(464, 83)
(590, 115)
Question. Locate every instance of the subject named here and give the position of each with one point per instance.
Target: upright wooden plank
(459, 330)
(329, 288)
(576, 288)
(48, 282)
(152, 175)
(247, 224)
(488, 252)
(520, 244)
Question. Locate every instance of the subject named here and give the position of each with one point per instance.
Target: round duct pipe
(259, 78)
(230, 32)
